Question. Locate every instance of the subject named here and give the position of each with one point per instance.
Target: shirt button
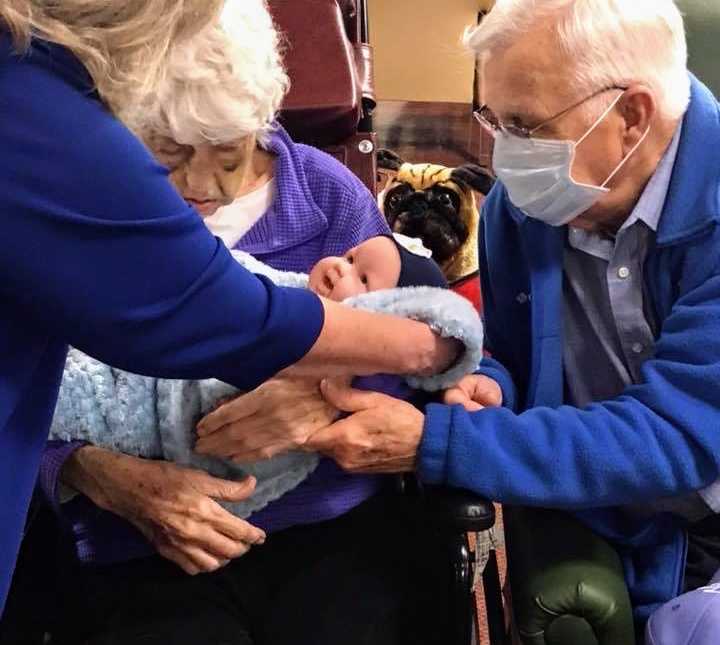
(522, 298)
(638, 348)
(623, 273)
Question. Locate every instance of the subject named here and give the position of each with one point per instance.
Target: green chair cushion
(567, 583)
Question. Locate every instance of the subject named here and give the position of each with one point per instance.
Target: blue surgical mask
(537, 174)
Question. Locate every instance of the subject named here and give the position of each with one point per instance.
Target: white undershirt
(231, 222)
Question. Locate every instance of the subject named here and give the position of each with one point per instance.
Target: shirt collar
(652, 201)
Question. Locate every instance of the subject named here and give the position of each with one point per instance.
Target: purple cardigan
(320, 209)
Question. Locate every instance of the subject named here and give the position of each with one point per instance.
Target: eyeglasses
(489, 120)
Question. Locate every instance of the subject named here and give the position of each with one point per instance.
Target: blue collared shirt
(608, 325)
(610, 329)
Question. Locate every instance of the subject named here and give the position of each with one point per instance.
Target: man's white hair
(605, 42)
(225, 84)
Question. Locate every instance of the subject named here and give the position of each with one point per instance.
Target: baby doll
(156, 418)
(379, 263)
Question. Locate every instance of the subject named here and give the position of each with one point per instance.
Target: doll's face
(370, 266)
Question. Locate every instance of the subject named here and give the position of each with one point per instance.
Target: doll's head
(378, 263)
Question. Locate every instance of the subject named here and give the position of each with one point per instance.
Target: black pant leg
(31, 600)
(149, 602)
(377, 576)
(703, 557)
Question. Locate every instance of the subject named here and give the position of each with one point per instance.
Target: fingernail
(201, 429)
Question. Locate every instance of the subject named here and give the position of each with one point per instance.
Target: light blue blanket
(155, 418)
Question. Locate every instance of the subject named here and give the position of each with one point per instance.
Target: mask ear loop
(599, 120)
(628, 155)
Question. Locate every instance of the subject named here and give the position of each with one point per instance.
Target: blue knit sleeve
(100, 249)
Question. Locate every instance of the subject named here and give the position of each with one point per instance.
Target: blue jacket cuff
(494, 370)
(432, 455)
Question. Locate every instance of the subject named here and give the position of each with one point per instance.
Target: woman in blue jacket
(97, 249)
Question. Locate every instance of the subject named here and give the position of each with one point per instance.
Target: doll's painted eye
(350, 259)
(364, 280)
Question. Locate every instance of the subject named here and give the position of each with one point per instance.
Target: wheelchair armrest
(567, 583)
(458, 509)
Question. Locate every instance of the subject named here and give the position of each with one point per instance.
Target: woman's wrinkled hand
(175, 508)
(382, 435)
(278, 416)
(474, 392)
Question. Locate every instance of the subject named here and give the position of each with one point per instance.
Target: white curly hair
(222, 86)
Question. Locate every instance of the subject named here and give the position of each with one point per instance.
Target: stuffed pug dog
(437, 205)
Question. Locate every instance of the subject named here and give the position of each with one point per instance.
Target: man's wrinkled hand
(474, 392)
(277, 417)
(382, 434)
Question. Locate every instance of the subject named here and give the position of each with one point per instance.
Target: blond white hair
(605, 43)
(123, 44)
(224, 85)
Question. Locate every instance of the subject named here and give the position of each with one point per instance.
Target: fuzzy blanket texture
(155, 418)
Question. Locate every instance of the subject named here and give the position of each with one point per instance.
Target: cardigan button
(522, 298)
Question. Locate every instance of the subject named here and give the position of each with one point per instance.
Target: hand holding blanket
(155, 418)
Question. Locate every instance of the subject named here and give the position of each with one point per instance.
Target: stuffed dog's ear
(474, 176)
(388, 159)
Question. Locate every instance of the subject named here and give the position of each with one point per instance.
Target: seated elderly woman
(344, 561)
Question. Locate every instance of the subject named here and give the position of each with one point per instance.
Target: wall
(702, 24)
(419, 56)
(418, 53)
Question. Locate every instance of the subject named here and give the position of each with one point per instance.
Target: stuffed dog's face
(433, 214)
(432, 202)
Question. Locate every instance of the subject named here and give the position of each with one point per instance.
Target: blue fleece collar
(693, 201)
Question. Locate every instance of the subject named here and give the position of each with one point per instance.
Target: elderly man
(600, 256)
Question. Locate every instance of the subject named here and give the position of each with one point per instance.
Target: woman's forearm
(355, 342)
(83, 472)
